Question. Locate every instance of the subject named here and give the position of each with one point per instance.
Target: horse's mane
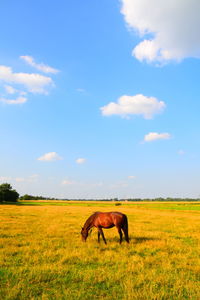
(90, 220)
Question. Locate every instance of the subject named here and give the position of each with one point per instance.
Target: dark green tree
(7, 194)
(27, 197)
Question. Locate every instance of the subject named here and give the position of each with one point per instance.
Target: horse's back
(119, 217)
(109, 213)
(109, 219)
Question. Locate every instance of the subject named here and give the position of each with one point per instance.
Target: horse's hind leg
(125, 230)
(120, 234)
(102, 234)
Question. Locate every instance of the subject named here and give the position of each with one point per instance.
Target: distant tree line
(31, 197)
(116, 200)
(160, 199)
(7, 194)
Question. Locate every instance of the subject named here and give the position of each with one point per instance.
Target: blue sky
(100, 99)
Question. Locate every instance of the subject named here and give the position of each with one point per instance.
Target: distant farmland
(42, 255)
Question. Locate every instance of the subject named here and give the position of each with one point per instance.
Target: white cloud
(80, 160)
(41, 67)
(80, 90)
(30, 179)
(131, 177)
(34, 83)
(34, 176)
(20, 84)
(67, 182)
(18, 100)
(51, 156)
(134, 105)
(20, 179)
(181, 152)
(153, 136)
(173, 26)
(10, 90)
(5, 179)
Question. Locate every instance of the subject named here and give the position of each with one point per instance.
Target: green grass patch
(142, 205)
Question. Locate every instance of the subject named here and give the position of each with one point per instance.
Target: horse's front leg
(102, 234)
(99, 236)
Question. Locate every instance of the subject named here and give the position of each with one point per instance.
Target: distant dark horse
(106, 220)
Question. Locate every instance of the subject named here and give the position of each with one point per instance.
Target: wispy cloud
(10, 90)
(5, 178)
(50, 156)
(80, 160)
(19, 179)
(18, 100)
(80, 90)
(20, 84)
(41, 66)
(181, 152)
(67, 182)
(131, 177)
(31, 178)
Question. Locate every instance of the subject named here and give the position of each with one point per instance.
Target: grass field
(42, 255)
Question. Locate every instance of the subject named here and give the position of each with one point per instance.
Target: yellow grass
(42, 255)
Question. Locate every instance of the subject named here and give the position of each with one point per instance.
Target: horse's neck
(89, 223)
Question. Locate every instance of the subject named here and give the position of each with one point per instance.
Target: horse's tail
(125, 228)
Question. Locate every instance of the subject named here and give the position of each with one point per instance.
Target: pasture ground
(43, 257)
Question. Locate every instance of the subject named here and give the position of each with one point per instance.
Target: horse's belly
(107, 225)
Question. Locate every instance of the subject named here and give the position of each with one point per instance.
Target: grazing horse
(106, 220)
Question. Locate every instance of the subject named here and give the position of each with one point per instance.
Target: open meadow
(42, 255)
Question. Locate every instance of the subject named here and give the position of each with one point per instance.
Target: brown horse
(106, 220)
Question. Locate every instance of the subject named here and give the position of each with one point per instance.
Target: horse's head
(84, 233)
